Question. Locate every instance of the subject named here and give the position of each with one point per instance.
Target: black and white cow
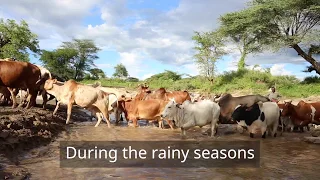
(264, 116)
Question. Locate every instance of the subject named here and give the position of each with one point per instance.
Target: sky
(147, 36)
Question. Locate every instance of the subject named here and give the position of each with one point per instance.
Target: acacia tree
(86, 54)
(16, 39)
(97, 73)
(120, 71)
(71, 59)
(293, 23)
(244, 29)
(209, 46)
(59, 62)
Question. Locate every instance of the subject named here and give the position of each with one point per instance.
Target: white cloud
(136, 34)
(146, 76)
(278, 70)
(104, 65)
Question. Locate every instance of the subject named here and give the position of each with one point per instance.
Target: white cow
(264, 116)
(187, 114)
(71, 93)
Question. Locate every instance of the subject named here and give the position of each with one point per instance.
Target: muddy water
(286, 157)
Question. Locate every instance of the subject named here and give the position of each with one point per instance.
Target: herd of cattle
(255, 113)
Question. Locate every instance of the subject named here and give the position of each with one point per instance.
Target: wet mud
(30, 149)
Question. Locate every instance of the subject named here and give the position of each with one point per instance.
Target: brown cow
(161, 93)
(145, 94)
(71, 93)
(15, 74)
(150, 109)
(303, 113)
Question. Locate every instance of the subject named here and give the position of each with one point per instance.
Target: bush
(247, 81)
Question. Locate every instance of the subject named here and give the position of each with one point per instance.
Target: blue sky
(147, 36)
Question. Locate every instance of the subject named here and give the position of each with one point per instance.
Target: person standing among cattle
(273, 95)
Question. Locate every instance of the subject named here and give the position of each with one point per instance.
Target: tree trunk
(241, 63)
(211, 81)
(307, 57)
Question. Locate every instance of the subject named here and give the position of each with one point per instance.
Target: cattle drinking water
(187, 114)
(264, 116)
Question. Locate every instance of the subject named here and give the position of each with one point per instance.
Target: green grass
(246, 81)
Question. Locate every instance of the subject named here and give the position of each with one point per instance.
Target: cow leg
(117, 115)
(99, 118)
(263, 132)
(104, 111)
(251, 130)
(56, 109)
(170, 123)
(214, 124)
(44, 98)
(69, 112)
(14, 98)
(32, 100)
(183, 132)
(275, 129)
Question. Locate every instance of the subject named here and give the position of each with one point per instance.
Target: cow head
(287, 108)
(49, 84)
(170, 109)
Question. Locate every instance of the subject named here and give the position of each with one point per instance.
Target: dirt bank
(22, 130)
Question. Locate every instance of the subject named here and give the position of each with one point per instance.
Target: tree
(293, 23)
(16, 39)
(86, 54)
(71, 59)
(243, 28)
(97, 73)
(120, 71)
(209, 47)
(166, 75)
(59, 62)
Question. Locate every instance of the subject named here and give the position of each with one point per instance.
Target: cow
(113, 107)
(16, 74)
(264, 116)
(161, 93)
(73, 93)
(188, 114)
(302, 114)
(228, 103)
(135, 110)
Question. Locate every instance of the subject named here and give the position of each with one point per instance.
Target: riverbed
(283, 157)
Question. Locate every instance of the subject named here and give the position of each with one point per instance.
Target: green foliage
(59, 62)
(132, 79)
(120, 71)
(16, 39)
(86, 54)
(209, 46)
(72, 59)
(311, 80)
(96, 73)
(165, 76)
(243, 81)
(244, 29)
